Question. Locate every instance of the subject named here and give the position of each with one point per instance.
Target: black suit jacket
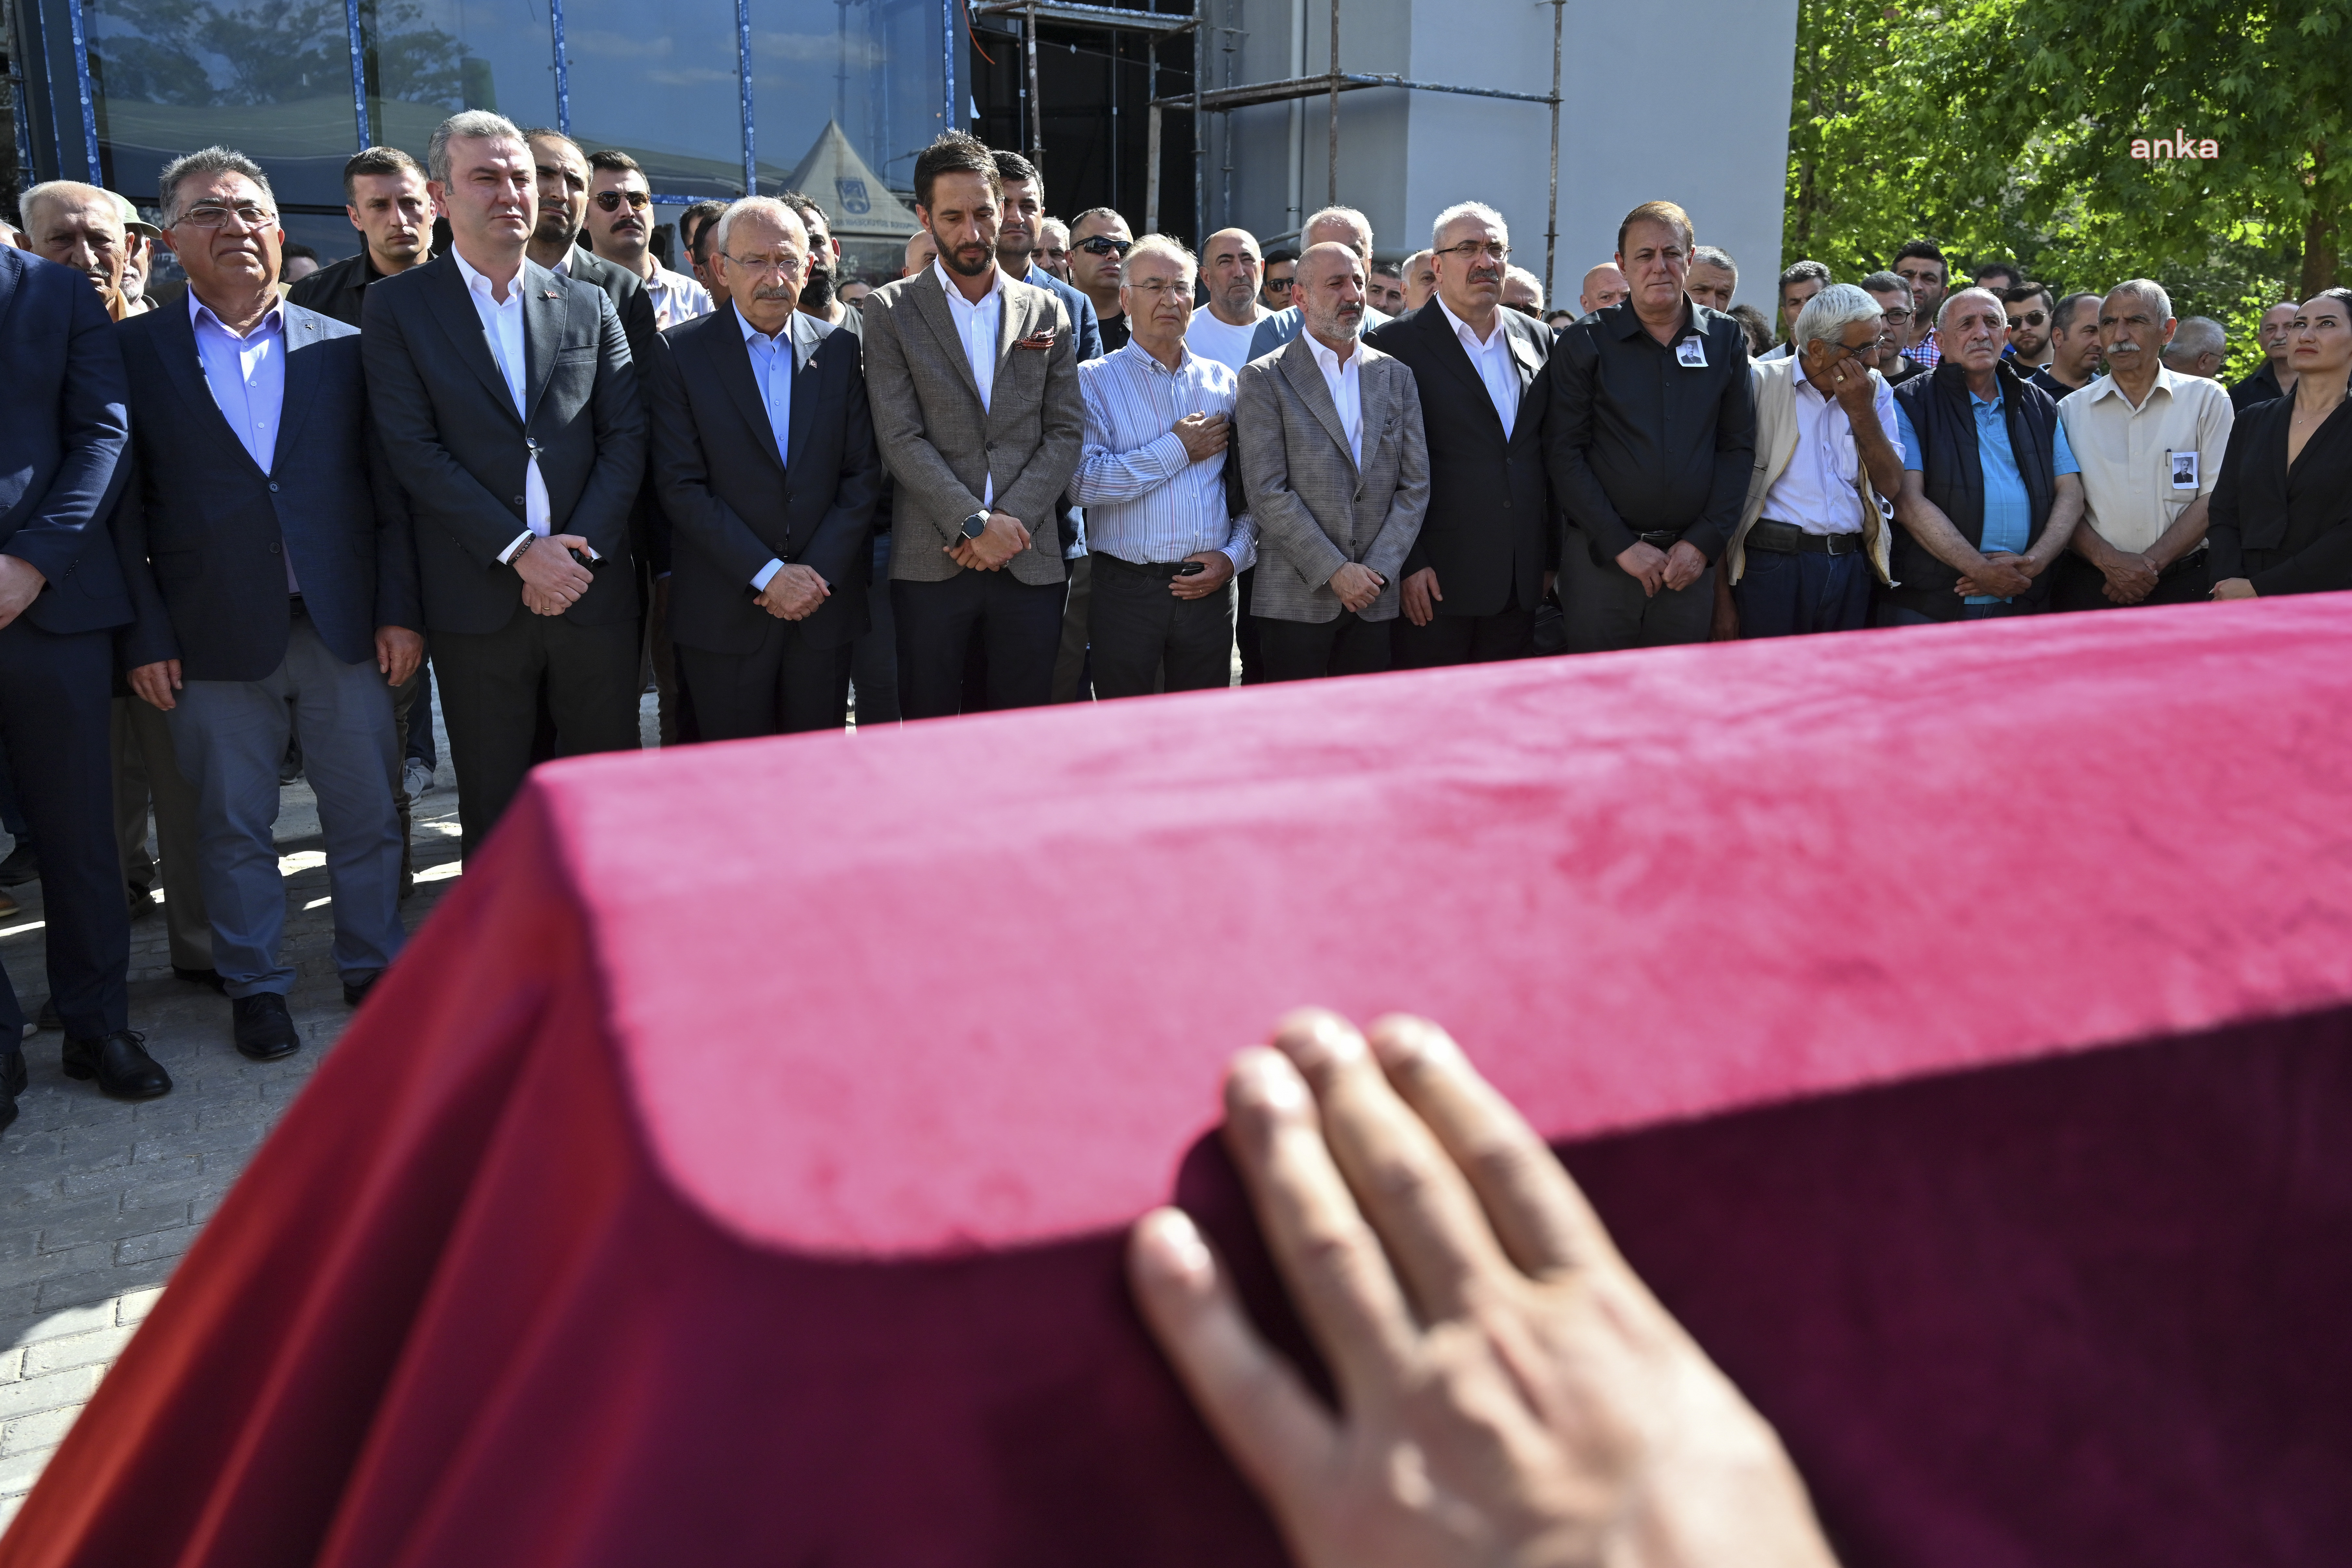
(64, 430)
(337, 290)
(1488, 531)
(204, 533)
(460, 450)
(734, 505)
(648, 529)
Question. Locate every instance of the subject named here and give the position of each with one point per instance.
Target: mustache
(774, 291)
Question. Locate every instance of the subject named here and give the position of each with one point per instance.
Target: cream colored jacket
(1775, 382)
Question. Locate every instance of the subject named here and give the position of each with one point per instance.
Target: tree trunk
(2319, 231)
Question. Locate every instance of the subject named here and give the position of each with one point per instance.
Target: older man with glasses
(305, 608)
(1828, 453)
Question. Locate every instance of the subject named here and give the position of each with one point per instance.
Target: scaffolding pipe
(1551, 209)
(1036, 109)
(1333, 198)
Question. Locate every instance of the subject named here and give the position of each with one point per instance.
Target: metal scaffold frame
(1167, 25)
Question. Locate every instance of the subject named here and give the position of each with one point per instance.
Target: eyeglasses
(1158, 286)
(1493, 250)
(1104, 244)
(610, 201)
(1897, 317)
(760, 266)
(215, 214)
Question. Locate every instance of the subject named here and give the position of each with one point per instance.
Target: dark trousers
(874, 657)
(493, 686)
(1245, 630)
(1308, 650)
(1606, 610)
(1999, 610)
(1070, 682)
(1508, 633)
(784, 687)
(1139, 630)
(1019, 624)
(1782, 594)
(54, 711)
(2076, 584)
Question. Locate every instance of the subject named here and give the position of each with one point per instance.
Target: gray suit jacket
(1315, 509)
(942, 445)
(1281, 329)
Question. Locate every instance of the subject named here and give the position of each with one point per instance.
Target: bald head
(1604, 286)
(1341, 225)
(1330, 294)
(1231, 268)
(922, 250)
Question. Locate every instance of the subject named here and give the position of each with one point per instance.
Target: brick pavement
(99, 1198)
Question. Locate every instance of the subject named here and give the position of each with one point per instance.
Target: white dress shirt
(1816, 491)
(676, 297)
(977, 327)
(502, 325)
(1147, 501)
(1492, 360)
(1346, 384)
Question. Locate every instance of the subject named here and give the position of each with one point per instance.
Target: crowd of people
(1051, 461)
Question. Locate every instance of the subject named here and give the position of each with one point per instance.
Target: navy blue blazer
(63, 430)
(734, 503)
(204, 533)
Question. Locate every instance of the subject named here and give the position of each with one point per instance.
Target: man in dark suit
(1485, 554)
(267, 552)
(61, 594)
(975, 389)
(384, 198)
(509, 406)
(765, 458)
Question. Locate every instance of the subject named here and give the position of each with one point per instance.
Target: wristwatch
(974, 526)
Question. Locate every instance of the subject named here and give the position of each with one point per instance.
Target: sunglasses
(1279, 285)
(2031, 319)
(610, 201)
(1104, 244)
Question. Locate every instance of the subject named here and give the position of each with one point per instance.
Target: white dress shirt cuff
(765, 575)
(505, 556)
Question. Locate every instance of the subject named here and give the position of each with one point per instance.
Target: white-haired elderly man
(2150, 439)
(1815, 532)
(1332, 225)
(1164, 539)
(1990, 491)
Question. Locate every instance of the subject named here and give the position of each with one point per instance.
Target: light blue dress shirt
(771, 371)
(2008, 510)
(247, 376)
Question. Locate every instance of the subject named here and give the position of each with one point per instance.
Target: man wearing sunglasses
(2030, 312)
(1274, 289)
(1099, 242)
(621, 230)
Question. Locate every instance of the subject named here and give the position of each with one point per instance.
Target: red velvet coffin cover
(1951, 1023)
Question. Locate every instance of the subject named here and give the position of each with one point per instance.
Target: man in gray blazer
(1335, 466)
(508, 404)
(1342, 225)
(973, 379)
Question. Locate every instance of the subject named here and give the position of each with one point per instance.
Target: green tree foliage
(2003, 129)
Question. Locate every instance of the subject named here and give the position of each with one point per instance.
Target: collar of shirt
(1499, 335)
(1629, 322)
(1346, 388)
(2166, 380)
(272, 319)
(480, 283)
(955, 295)
(1150, 362)
(781, 336)
(1331, 362)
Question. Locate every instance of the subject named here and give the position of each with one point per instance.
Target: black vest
(1953, 477)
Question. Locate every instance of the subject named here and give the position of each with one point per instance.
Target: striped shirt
(1146, 500)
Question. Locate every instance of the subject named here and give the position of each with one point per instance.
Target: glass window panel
(843, 94)
(426, 60)
(657, 79)
(271, 77)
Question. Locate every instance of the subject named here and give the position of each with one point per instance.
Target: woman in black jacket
(2282, 510)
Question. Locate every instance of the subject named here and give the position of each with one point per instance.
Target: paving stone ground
(99, 1198)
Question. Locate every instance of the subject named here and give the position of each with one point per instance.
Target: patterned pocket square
(1044, 340)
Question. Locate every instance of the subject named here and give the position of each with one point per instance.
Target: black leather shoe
(120, 1064)
(265, 1030)
(357, 983)
(21, 866)
(209, 978)
(13, 1079)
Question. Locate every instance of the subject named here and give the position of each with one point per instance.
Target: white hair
(64, 191)
(1829, 313)
(1522, 275)
(1461, 210)
(1343, 216)
(2198, 335)
(477, 124)
(776, 212)
(1167, 249)
(1951, 299)
(2150, 289)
